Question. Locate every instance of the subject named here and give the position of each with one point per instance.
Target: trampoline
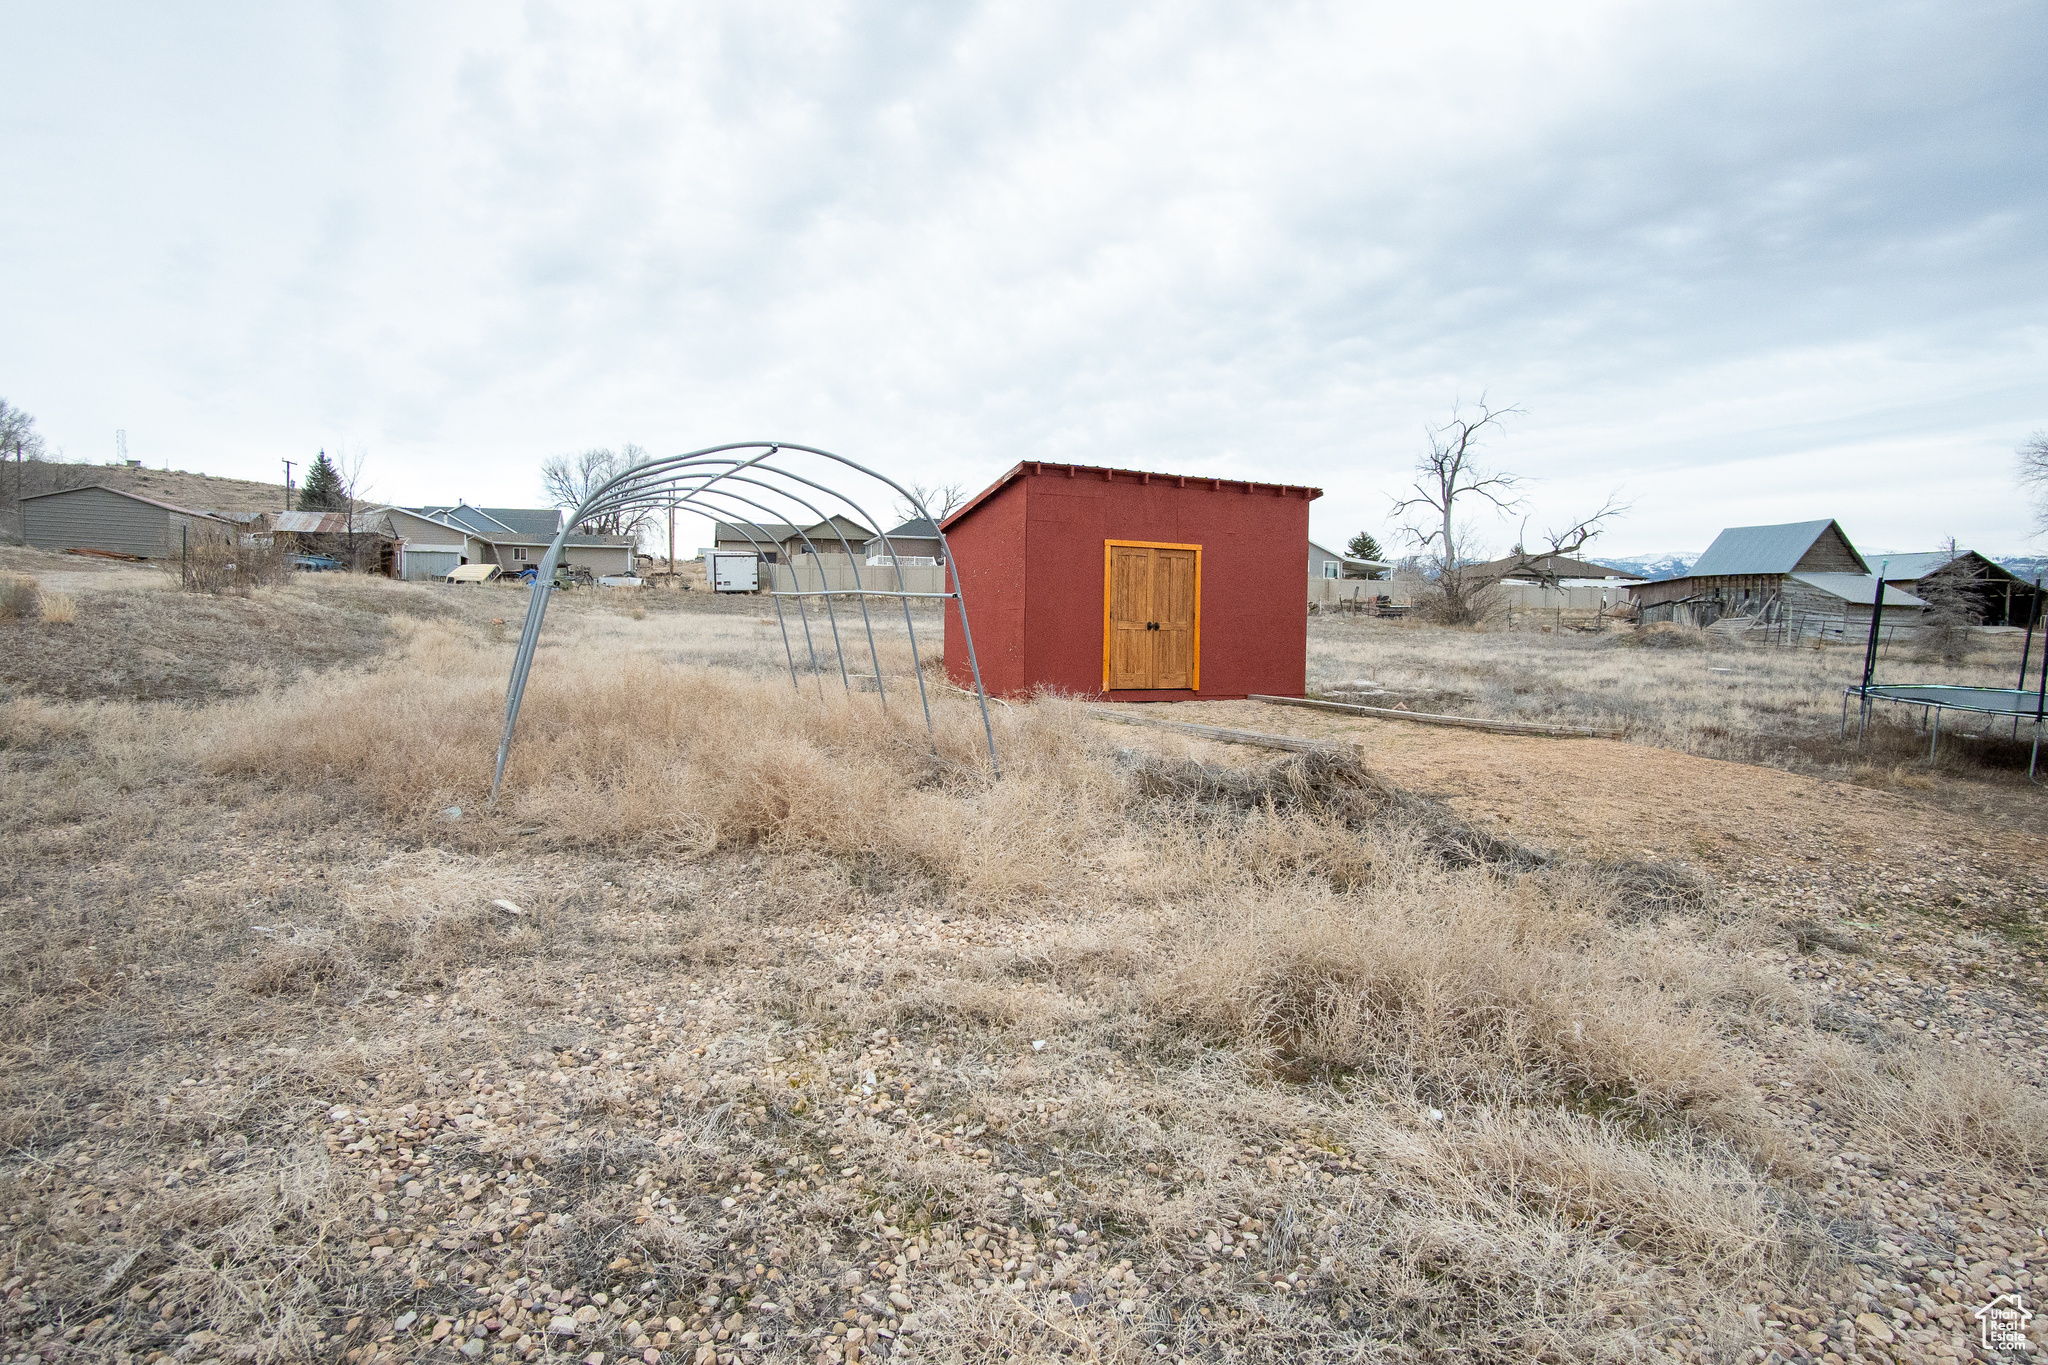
(1934, 698)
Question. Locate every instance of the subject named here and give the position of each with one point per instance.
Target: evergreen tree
(1363, 546)
(323, 491)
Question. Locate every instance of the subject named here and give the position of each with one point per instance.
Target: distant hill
(200, 492)
(1656, 568)
(2026, 566)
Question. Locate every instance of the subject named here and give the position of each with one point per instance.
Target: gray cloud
(1755, 262)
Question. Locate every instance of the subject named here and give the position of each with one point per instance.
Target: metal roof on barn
(1764, 549)
(1911, 568)
(328, 523)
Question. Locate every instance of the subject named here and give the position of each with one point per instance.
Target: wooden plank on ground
(1215, 732)
(1499, 727)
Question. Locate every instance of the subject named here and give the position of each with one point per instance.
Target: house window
(1329, 568)
(519, 552)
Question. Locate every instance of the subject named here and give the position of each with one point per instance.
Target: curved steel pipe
(693, 480)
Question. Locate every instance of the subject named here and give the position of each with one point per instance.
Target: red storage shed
(1132, 586)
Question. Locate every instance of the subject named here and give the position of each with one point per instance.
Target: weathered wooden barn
(1804, 572)
(1130, 585)
(2003, 598)
(100, 518)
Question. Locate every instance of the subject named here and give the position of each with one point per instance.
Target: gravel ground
(780, 1141)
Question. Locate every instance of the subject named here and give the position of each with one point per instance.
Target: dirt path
(1746, 823)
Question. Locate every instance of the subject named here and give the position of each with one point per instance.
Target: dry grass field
(1670, 686)
(757, 1027)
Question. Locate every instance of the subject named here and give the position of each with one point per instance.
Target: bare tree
(348, 472)
(1953, 607)
(940, 499)
(569, 479)
(2033, 455)
(19, 438)
(1449, 473)
(1542, 565)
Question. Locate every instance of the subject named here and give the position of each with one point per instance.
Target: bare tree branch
(2033, 455)
(941, 499)
(569, 479)
(1449, 472)
(1543, 567)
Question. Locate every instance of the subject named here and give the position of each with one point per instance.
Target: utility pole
(287, 485)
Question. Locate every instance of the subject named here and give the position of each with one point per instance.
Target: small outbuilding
(1803, 574)
(100, 518)
(1131, 586)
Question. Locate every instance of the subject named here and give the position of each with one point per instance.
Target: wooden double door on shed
(1152, 606)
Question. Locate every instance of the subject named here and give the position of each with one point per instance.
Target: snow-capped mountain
(1656, 567)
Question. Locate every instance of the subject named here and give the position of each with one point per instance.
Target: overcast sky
(1746, 262)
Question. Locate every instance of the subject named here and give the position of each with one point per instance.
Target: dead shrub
(221, 566)
(59, 609)
(1949, 1109)
(1662, 635)
(296, 968)
(624, 753)
(20, 597)
(1460, 984)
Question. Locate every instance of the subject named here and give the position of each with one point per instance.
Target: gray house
(510, 537)
(914, 542)
(100, 518)
(781, 543)
(1329, 564)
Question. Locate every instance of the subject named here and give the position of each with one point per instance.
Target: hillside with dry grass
(180, 488)
(755, 1025)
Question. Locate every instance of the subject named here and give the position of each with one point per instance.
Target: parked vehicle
(315, 563)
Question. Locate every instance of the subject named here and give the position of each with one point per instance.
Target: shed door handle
(1151, 625)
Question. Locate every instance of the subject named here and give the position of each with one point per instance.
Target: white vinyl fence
(838, 575)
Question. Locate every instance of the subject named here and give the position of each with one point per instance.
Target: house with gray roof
(1806, 572)
(778, 542)
(510, 537)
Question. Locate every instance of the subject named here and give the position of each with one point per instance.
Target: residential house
(1325, 564)
(914, 542)
(1550, 570)
(514, 537)
(782, 543)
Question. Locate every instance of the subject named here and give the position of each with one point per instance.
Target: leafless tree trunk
(1448, 473)
(2034, 475)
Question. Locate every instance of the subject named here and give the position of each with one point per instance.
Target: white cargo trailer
(737, 571)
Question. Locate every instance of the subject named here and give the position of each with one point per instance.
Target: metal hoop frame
(718, 479)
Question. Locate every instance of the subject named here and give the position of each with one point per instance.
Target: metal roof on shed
(1074, 471)
(1762, 549)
